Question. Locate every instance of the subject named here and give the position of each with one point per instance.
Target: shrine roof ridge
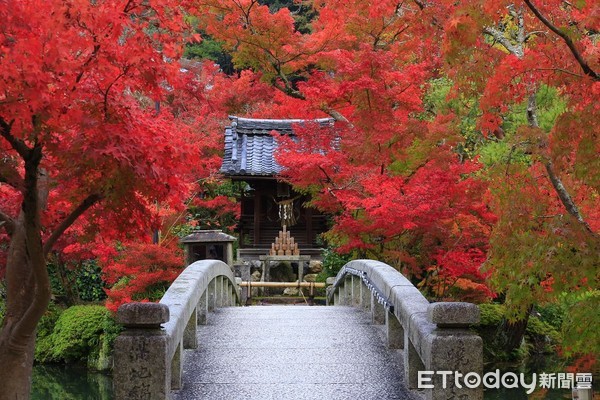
(254, 126)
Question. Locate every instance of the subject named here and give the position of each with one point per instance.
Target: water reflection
(67, 382)
(539, 364)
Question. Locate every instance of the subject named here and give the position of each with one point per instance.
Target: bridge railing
(148, 357)
(435, 337)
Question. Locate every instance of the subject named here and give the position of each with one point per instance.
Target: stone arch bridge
(380, 339)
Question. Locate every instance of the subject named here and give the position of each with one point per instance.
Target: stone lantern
(208, 245)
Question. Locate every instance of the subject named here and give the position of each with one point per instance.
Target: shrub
(540, 336)
(89, 283)
(553, 314)
(334, 261)
(44, 344)
(74, 282)
(491, 314)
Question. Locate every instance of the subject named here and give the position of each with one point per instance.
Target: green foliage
(44, 342)
(541, 337)
(79, 333)
(491, 314)
(88, 281)
(536, 329)
(100, 356)
(216, 205)
(333, 262)
(210, 49)
(435, 100)
(549, 107)
(502, 153)
(581, 325)
(303, 14)
(154, 292)
(81, 282)
(552, 314)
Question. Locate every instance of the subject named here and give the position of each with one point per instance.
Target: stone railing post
(142, 370)
(452, 347)
(394, 331)
(202, 309)
(435, 337)
(365, 297)
(356, 293)
(333, 295)
(378, 311)
(347, 301)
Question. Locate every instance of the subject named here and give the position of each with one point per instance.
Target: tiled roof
(250, 148)
(207, 236)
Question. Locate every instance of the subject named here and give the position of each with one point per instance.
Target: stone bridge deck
(291, 352)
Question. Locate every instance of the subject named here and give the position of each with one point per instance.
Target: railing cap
(453, 315)
(142, 315)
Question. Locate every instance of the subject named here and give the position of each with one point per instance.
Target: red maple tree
(81, 133)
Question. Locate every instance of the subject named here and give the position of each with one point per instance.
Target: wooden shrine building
(268, 204)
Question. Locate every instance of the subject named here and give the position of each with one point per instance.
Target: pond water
(69, 382)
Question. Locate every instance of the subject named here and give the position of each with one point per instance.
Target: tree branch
(70, 219)
(559, 187)
(584, 65)
(327, 177)
(7, 222)
(335, 115)
(503, 40)
(13, 180)
(16, 144)
(566, 199)
(420, 4)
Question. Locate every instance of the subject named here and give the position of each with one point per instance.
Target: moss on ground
(82, 334)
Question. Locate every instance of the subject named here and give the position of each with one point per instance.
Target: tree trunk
(15, 373)
(27, 287)
(28, 295)
(512, 333)
(27, 299)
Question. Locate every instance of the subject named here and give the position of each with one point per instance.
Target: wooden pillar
(257, 204)
(308, 212)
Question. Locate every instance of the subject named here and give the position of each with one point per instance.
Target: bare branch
(420, 4)
(70, 219)
(564, 71)
(535, 33)
(327, 177)
(504, 41)
(335, 115)
(584, 65)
